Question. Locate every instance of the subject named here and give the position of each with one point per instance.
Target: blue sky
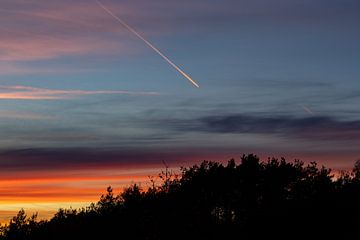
(277, 78)
(85, 104)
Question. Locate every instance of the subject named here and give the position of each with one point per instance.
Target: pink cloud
(38, 30)
(37, 49)
(49, 30)
(31, 93)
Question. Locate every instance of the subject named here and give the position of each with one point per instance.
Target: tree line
(252, 199)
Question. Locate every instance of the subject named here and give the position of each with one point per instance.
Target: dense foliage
(251, 200)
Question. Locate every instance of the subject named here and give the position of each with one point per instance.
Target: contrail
(147, 43)
(308, 110)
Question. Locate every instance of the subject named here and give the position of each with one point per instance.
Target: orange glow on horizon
(46, 190)
(45, 193)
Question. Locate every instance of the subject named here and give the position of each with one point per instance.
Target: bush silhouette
(273, 199)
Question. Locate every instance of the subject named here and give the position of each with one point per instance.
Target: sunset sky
(85, 104)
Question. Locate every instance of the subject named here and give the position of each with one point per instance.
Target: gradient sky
(85, 104)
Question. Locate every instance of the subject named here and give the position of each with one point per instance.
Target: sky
(85, 104)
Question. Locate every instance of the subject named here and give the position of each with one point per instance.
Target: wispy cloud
(24, 115)
(53, 159)
(33, 93)
(314, 128)
(49, 30)
(40, 48)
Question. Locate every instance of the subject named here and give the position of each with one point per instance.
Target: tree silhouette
(20, 227)
(254, 199)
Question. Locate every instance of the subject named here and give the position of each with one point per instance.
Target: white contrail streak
(147, 43)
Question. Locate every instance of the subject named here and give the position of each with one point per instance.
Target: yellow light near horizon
(45, 210)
